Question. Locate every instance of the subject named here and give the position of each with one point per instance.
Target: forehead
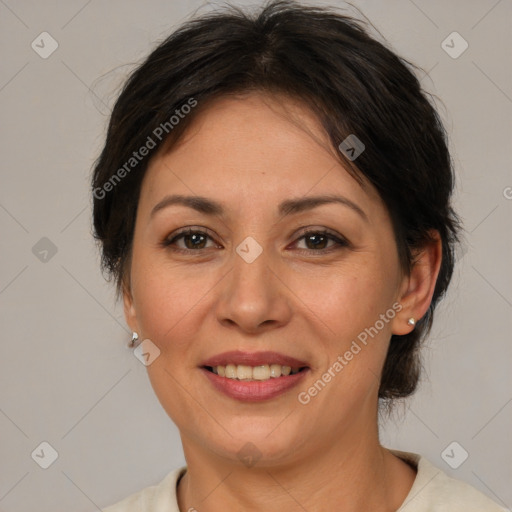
(253, 148)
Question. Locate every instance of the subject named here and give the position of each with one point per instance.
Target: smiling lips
(253, 376)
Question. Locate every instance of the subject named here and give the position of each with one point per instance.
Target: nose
(253, 298)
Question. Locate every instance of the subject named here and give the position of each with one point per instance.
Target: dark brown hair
(353, 83)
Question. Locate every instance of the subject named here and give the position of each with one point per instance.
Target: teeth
(230, 371)
(261, 372)
(275, 370)
(285, 370)
(244, 372)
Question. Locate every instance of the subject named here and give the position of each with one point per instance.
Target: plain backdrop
(67, 377)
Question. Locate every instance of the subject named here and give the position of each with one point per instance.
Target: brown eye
(192, 240)
(317, 241)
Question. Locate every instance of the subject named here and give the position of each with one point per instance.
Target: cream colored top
(432, 491)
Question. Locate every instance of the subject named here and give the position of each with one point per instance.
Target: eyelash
(339, 241)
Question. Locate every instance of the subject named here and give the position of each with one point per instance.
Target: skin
(250, 154)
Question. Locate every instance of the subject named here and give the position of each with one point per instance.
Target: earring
(411, 321)
(135, 338)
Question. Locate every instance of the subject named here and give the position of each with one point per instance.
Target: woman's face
(252, 280)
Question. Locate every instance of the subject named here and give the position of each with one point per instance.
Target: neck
(355, 473)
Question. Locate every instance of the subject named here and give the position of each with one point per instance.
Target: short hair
(353, 84)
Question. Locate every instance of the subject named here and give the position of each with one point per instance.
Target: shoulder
(433, 490)
(156, 498)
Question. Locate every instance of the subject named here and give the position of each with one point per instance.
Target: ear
(130, 313)
(418, 288)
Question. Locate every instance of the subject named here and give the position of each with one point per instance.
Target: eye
(318, 240)
(193, 240)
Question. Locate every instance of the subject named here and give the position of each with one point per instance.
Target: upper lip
(237, 357)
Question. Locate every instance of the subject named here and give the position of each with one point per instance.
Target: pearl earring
(411, 321)
(135, 338)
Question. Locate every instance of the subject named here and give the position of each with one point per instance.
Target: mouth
(254, 376)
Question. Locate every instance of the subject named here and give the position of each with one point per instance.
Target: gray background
(67, 376)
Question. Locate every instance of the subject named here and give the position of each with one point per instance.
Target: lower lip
(254, 390)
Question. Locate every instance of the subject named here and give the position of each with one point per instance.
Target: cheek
(347, 300)
(356, 339)
(166, 302)
(348, 306)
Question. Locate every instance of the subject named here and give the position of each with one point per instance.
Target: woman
(273, 202)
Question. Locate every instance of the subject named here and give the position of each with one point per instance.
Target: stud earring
(135, 338)
(411, 321)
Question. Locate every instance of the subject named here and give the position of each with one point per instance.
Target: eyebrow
(286, 208)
